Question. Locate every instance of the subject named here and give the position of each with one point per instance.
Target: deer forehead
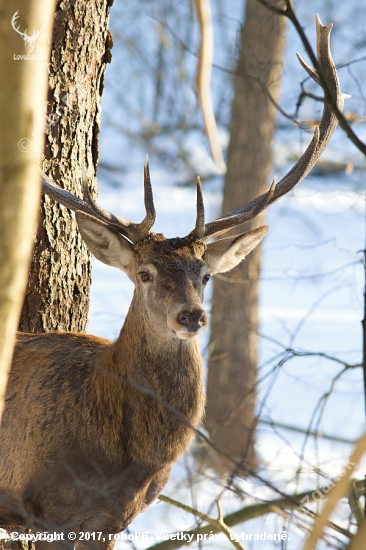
(175, 268)
(161, 255)
(156, 243)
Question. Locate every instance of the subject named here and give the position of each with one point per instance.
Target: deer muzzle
(188, 322)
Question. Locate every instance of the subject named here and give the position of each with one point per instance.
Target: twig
(306, 431)
(288, 502)
(364, 323)
(218, 524)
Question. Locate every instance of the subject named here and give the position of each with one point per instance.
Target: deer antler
(322, 135)
(139, 231)
(134, 231)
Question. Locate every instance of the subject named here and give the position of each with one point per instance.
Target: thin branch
(305, 431)
(217, 524)
(355, 505)
(203, 79)
(364, 328)
(234, 72)
(289, 502)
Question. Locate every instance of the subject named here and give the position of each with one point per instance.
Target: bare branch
(203, 79)
(218, 524)
(289, 502)
(329, 97)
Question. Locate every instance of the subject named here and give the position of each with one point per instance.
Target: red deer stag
(91, 428)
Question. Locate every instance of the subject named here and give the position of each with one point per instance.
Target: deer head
(29, 41)
(170, 275)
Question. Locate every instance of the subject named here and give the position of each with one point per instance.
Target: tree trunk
(58, 289)
(231, 386)
(22, 98)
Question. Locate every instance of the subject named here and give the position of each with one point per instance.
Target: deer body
(109, 405)
(104, 427)
(90, 427)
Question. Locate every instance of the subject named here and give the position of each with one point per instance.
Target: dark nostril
(196, 317)
(184, 318)
(191, 319)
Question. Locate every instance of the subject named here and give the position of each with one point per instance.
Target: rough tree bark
(22, 97)
(230, 414)
(58, 289)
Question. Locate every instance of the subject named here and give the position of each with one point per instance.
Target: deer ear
(105, 244)
(224, 254)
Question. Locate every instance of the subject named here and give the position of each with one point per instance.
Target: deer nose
(193, 320)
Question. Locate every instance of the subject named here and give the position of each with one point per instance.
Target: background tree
(231, 394)
(58, 287)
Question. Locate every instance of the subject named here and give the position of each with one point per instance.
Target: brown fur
(89, 431)
(91, 428)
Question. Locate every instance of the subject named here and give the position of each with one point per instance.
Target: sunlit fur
(88, 444)
(91, 428)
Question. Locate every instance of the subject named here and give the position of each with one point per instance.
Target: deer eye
(145, 276)
(206, 278)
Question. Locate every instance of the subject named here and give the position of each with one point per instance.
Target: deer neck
(157, 361)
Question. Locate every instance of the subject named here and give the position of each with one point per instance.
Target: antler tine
(313, 74)
(320, 140)
(200, 218)
(133, 231)
(122, 225)
(150, 217)
(199, 230)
